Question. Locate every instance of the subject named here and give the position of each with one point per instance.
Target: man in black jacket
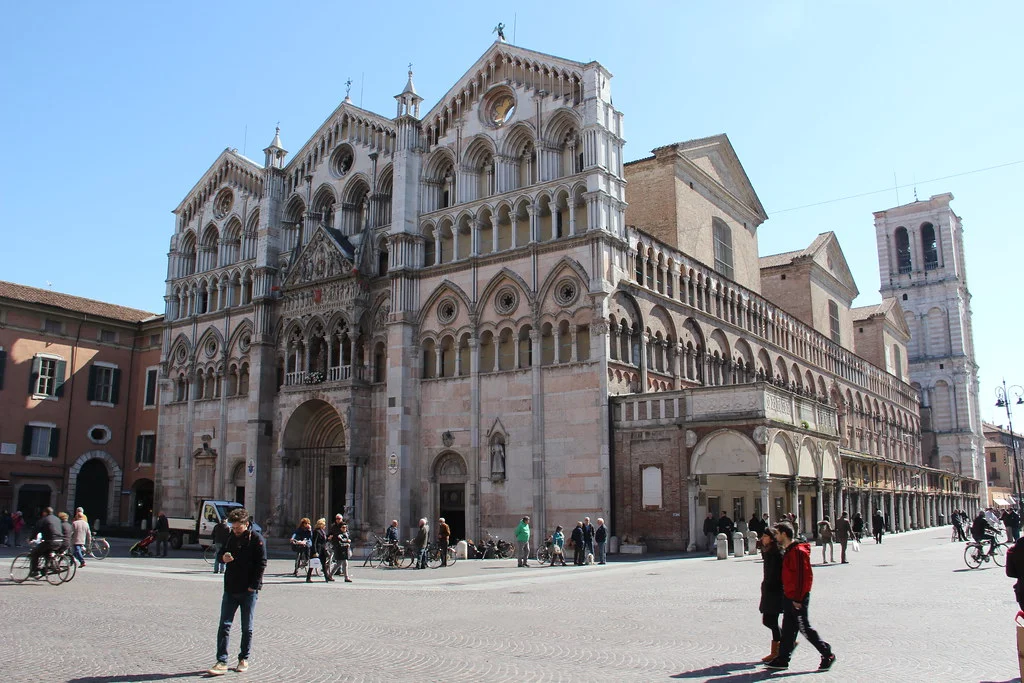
(245, 555)
(709, 532)
(601, 538)
(334, 536)
(221, 534)
(577, 544)
(588, 537)
(53, 536)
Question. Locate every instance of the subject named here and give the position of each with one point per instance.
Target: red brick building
(78, 405)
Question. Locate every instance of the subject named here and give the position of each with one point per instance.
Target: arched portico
(321, 476)
(98, 489)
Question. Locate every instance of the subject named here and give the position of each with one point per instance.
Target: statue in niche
(498, 460)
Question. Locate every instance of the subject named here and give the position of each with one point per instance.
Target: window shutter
(33, 377)
(58, 386)
(90, 393)
(115, 385)
(26, 441)
(138, 449)
(54, 442)
(3, 364)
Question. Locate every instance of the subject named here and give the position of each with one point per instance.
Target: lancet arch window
(929, 246)
(904, 263)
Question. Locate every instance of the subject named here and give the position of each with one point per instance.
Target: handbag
(856, 545)
(314, 563)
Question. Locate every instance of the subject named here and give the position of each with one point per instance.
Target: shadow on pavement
(130, 678)
(738, 671)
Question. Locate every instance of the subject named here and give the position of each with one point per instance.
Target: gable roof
(714, 159)
(77, 304)
(889, 309)
(825, 252)
(318, 258)
(241, 170)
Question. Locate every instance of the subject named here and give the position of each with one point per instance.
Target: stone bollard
(737, 544)
(751, 542)
(722, 546)
(461, 550)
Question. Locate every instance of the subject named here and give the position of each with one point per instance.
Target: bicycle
(301, 556)
(210, 554)
(434, 556)
(98, 549)
(56, 567)
(975, 555)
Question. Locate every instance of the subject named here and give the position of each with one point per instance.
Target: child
(557, 541)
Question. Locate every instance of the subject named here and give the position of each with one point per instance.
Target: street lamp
(1003, 400)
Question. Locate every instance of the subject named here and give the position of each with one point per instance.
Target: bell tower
(922, 267)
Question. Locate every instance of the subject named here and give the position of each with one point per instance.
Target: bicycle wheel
(999, 554)
(972, 556)
(67, 568)
(451, 555)
(370, 555)
(543, 555)
(405, 558)
(434, 558)
(210, 554)
(99, 549)
(20, 568)
(52, 570)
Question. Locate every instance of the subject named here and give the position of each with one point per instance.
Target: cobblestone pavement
(907, 610)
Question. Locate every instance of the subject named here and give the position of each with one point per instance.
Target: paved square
(908, 610)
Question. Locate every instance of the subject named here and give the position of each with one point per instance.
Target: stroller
(141, 549)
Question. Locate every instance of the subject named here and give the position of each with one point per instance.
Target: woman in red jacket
(797, 579)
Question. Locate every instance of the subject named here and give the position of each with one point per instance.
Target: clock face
(502, 110)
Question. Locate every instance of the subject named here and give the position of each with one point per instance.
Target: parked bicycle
(99, 548)
(434, 556)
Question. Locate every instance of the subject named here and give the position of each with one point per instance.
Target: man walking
(601, 538)
(725, 526)
(797, 578)
(588, 537)
(444, 533)
(1011, 520)
(221, 534)
(843, 533)
(709, 532)
(577, 544)
(878, 525)
(245, 557)
(420, 543)
(523, 542)
(163, 535)
(334, 536)
(53, 536)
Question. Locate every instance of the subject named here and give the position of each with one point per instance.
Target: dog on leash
(590, 558)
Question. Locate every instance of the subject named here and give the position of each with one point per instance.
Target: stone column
(795, 497)
(692, 491)
(890, 499)
(820, 491)
(766, 482)
(350, 488)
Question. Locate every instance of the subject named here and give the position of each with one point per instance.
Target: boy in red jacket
(797, 578)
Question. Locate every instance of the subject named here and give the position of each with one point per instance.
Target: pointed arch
(558, 271)
(445, 287)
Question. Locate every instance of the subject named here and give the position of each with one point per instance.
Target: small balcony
(340, 373)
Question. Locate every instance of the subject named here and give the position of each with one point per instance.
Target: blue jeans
(421, 561)
(602, 551)
(78, 552)
(229, 604)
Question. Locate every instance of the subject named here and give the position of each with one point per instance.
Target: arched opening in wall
(234, 290)
(142, 502)
(450, 475)
(208, 248)
(323, 209)
(429, 359)
(478, 165)
(929, 246)
(246, 287)
(506, 350)
(232, 387)
(187, 254)
(518, 149)
(488, 352)
(464, 237)
(439, 181)
(243, 380)
(545, 224)
(465, 357)
(525, 347)
(355, 206)
(291, 227)
(314, 481)
(380, 362)
(232, 244)
(583, 342)
(781, 372)
(318, 350)
(580, 223)
(429, 246)
(560, 212)
(564, 342)
(385, 189)
(382, 257)
(448, 351)
(521, 223)
(723, 247)
(446, 244)
(92, 490)
(238, 483)
(485, 233)
(904, 263)
(547, 345)
(251, 237)
(503, 227)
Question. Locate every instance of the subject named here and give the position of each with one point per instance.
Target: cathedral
(481, 311)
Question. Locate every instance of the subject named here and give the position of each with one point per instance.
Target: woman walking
(319, 549)
(557, 546)
(301, 540)
(858, 526)
(81, 538)
(772, 597)
(344, 552)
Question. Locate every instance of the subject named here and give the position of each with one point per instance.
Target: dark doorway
(143, 502)
(92, 491)
(32, 498)
(339, 480)
(240, 494)
(453, 509)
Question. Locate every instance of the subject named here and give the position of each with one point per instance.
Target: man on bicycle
(50, 528)
(983, 531)
(391, 538)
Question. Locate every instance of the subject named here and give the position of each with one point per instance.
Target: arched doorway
(319, 475)
(449, 482)
(92, 490)
(238, 483)
(142, 502)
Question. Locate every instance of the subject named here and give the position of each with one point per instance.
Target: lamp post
(1003, 400)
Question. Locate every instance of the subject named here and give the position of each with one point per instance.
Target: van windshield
(223, 510)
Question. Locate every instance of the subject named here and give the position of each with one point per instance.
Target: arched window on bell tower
(903, 261)
(930, 246)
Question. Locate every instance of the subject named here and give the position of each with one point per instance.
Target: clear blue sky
(112, 111)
